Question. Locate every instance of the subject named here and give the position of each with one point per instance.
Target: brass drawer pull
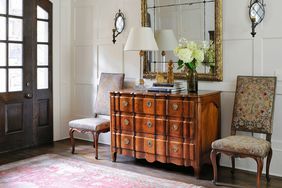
(175, 127)
(175, 149)
(126, 122)
(175, 107)
(126, 141)
(150, 143)
(149, 104)
(149, 124)
(125, 103)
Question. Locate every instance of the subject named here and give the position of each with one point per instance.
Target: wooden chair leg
(269, 156)
(96, 144)
(233, 164)
(72, 140)
(214, 165)
(259, 170)
(93, 133)
(197, 172)
(114, 156)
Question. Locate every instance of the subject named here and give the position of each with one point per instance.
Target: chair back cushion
(108, 82)
(254, 104)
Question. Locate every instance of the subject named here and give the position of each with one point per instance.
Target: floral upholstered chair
(96, 125)
(252, 112)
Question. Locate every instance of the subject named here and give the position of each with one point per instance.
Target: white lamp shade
(141, 38)
(166, 40)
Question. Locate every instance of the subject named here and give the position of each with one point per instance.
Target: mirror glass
(192, 20)
(119, 24)
(257, 12)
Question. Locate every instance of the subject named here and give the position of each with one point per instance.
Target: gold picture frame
(218, 72)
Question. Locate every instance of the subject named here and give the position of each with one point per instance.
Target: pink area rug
(53, 170)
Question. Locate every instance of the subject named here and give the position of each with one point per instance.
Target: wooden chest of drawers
(170, 128)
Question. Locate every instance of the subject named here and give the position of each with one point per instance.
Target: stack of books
(166, 87)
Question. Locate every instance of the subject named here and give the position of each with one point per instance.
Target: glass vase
(192, 81)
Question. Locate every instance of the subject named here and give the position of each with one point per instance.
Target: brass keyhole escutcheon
(175, 127)
(126, 141)
(126, 122)
(125, 103)
(175, 107)
(175, 149)
(149, 124)
(150, 143)
(149, 104)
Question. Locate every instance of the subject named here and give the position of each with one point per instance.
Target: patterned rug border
(91, 165)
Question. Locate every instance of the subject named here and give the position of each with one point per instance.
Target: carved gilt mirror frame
(218, 72)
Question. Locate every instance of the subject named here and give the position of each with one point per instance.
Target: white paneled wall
(62, 64)
(93, 53)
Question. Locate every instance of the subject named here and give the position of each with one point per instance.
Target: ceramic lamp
(141, 39)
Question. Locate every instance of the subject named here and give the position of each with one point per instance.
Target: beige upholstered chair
(252, 112)
(108, 82)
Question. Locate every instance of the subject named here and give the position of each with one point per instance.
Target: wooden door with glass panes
(25, 73)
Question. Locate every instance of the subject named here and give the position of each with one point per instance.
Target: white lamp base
(140, 85)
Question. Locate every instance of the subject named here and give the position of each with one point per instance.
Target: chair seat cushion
(244, 145)
(90, 124)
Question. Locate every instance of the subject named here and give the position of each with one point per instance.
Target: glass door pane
(16, 7)
(2, 28)
(42, 78)
(41, 13)
(42, 55)
(15, 54)
(3, 54)
(42, 31)
(15, 80)
(15, 29)
(2, 6)
(3, 80)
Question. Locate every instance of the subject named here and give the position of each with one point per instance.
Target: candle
(253, 19)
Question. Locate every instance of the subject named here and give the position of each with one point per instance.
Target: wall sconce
(119, 25)
(256, 13)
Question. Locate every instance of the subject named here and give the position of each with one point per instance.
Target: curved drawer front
(145, 125)
(175, 149)
(189, 109)
(124, 104)
(126, 142)
(175, 128)
(189, 129)
(150, 125)
(144, 105)
(146, 145)
(161, 107)
(150, 145)
(126, 122)
(189, 151)
(175, 108)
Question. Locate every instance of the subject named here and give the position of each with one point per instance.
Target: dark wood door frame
(26, 117)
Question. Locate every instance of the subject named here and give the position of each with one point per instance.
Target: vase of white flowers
(190, 55)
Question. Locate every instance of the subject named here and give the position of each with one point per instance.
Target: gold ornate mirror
(194, 20)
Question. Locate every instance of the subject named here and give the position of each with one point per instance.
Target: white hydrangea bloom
(192, 45)
(198, 55)
(185, 55)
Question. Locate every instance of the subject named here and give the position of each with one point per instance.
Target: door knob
(28, 95)
(28, 84)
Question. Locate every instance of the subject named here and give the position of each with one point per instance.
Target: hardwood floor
(85, 151)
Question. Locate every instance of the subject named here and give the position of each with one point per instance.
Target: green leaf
(189, 65)
(180, 64)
